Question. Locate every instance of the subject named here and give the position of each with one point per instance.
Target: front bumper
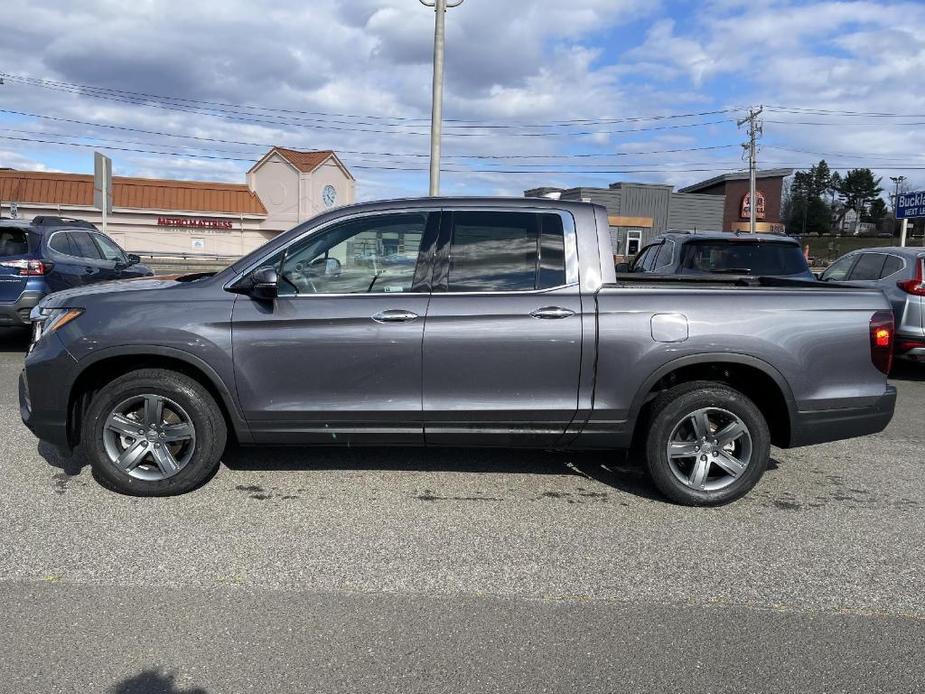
(15, 314)
(822, 426)
(44, 387)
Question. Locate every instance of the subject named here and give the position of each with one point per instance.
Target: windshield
(743, 257)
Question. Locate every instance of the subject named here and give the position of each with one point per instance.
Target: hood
(73, 297)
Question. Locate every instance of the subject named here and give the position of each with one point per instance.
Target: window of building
(633, 242)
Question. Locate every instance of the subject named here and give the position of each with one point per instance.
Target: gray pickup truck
(455, 322)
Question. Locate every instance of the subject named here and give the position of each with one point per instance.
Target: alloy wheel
(149, 437)
(709, 449)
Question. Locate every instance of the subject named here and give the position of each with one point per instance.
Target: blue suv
(49, 254)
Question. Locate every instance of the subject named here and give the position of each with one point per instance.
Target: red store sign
(195, 223)
(746, 204)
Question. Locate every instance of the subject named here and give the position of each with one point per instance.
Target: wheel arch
(104, 366)
(754, 377)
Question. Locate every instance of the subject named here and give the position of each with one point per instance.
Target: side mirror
(133, 259)
(622, 267)
(264, 282)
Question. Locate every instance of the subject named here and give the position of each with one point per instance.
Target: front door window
(371, 255)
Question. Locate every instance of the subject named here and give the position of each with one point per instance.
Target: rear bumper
(822, 426)
(910, 347)
(15, 314)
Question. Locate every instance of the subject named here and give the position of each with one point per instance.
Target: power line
(836, 112)
(90, 90)
(265, 145)
(843, 155)
(351, 127)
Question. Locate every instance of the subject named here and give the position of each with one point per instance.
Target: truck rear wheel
(153, 432)
(707, 444)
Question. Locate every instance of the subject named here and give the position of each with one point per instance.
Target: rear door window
(892, 265)
(83, 245)
(13, 242)
(868, 267)
(60, 242)
(506, 251)
(644, 260)
(743, 257)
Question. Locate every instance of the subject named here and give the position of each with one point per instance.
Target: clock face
(329, 196)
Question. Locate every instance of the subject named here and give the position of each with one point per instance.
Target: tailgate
(14, 250)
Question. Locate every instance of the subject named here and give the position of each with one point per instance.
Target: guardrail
(171, 262)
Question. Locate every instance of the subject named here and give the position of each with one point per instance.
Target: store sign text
(759, 208)
(195, 223)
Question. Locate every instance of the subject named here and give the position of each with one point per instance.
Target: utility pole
(436, 115)
(754, 131)
(898, 181)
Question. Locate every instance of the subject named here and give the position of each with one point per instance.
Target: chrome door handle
(552, 312)
(395, 316)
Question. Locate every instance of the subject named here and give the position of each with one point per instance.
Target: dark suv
(49, 254)
(697, 253)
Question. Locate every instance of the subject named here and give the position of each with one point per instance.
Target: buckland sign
(195, 223)
(910, 205)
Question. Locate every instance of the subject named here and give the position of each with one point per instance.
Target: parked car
(698, 253)
(49, 254)
(900, 274)
(510, 328)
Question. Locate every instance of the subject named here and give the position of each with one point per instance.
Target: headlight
(49, 320)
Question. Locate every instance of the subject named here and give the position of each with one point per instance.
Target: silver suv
(900, 274)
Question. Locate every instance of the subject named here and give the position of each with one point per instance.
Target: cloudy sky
(641, 89)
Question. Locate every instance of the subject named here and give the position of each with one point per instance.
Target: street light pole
(436, 115)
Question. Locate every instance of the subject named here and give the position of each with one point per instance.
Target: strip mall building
(640, 211)
(191, 217)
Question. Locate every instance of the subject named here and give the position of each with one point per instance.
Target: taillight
(881, 340)
(915, 286)
(28, 268)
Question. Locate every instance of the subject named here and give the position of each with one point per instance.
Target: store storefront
(191, 217)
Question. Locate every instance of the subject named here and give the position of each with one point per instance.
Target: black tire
(205, 416)
(672, 407)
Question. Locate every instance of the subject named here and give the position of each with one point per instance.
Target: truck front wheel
(707, 444)
(153, 432)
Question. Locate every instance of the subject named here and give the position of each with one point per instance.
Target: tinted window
(109, 248)
(644, 258)
(506, 251)
(61, 242)
(665, 252)
(838, 270)
(892, 265)
(743, 257)
(83, 246)
(13, 242)
(370, 255)
(552, 252)
(868, 267)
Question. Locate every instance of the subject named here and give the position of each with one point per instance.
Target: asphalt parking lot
(464, 570)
